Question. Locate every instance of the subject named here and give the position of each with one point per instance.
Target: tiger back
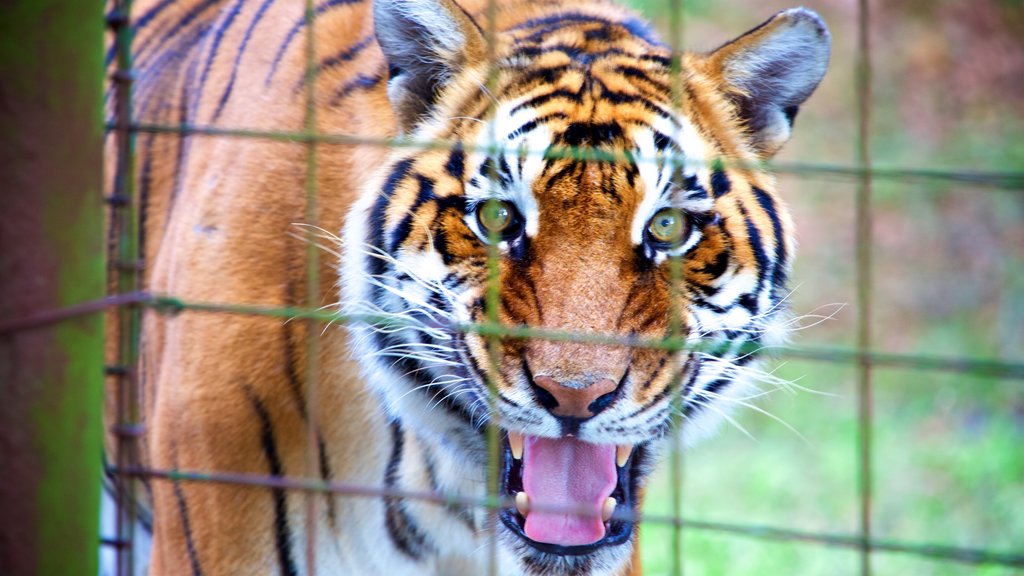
(579, 157)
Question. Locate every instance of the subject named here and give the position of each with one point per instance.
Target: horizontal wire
(953, 553)
(171, 306)
(53, 316)
(1002, 180)
(994, 179)
(957, 554)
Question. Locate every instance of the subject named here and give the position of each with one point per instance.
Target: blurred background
(948, 448)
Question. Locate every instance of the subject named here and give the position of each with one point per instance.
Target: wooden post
(51, 257)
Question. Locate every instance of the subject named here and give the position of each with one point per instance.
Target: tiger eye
(495, 216)
(667, 227)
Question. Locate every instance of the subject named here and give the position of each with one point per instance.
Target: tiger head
(583, 182)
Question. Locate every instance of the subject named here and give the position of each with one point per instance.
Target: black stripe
(693, 363)
(720, 185)
(749, 302)
(768, 205)
(218, 37)
(404, 533)
(653, 317)
(754, 238)
(238, 57)
(579, 134)
(404, 228)
(186, 524)
(703, 397)
(541, 27)
(500, 171)
(633, 25)
(172, 34)
(456, 165)
(654, 375)
(282, 532)
(717, 385)
(710, 306)
(299, 25)
(527, 127)
(378, 216)
(691, 184)
(718, 267)
(663, 142)
(635, 73)
(461, 513)
(327, 475)
(524, 51)
(614, 96)
(544, 98)
(564, 171)
(345, 55)
(547, 75)
(291, 357)
(141, 48)
(145, 186)
(636, 289)
(650, 405)
(152, 13)
(360, 82)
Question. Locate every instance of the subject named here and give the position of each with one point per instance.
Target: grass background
(949, 281)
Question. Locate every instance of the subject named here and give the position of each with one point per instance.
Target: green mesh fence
(129, 299)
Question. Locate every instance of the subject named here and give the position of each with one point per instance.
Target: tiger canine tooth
(522, 503)
(515, 441)
(622, 452)
(608, 508)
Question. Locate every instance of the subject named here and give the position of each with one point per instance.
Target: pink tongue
(567, 474)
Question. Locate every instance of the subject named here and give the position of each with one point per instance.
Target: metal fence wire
(129, 300)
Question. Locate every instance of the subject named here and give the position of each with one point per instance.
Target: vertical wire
(492, 305)
(864, 281)
(127, 264)
(676, 328)
(312, 283)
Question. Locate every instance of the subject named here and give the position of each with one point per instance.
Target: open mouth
(571, 497)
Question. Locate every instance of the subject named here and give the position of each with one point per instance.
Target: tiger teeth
(608, 508)
(522, 503)
(515, 441)
(622, 452)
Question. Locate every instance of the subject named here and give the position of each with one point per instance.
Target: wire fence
(128, 299)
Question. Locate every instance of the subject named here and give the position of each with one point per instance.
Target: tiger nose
(574, 402)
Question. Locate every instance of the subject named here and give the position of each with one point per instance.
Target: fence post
(51, 257)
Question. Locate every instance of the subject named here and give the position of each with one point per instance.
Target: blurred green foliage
(948, 94)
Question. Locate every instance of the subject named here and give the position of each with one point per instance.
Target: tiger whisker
(321, 232)
(433, 382)
(725, 416)
(406, 297)
(755, 408)
(405, 345)
(313, 242)
(435, 361)
(433, 285)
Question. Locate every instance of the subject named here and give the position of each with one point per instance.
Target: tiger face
(599, 192)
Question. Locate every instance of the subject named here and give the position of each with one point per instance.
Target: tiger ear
(426, 43)
(771, 70)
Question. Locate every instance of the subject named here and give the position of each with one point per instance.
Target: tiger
(556, 168)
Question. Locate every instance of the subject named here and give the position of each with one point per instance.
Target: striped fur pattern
(402, 401)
